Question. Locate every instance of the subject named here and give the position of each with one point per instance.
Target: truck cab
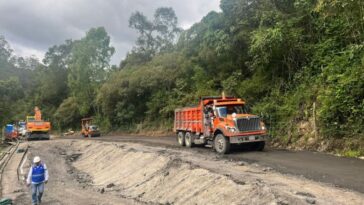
(234, 125)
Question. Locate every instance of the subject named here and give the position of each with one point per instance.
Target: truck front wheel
(189, 139)
(221, 144)
(181, 138)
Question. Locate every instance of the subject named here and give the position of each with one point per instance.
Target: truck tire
(181, 138)
(259, 146)
(221, 144)
(189, 139)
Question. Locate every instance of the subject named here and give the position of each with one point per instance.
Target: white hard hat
(36, 159)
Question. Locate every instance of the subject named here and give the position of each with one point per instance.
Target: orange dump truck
(219, 121)
(36, 127)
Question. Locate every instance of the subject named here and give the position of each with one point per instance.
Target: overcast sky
(32, 26)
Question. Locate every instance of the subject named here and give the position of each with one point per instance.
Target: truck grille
(248, 124)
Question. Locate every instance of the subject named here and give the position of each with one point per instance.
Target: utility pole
(314, 118)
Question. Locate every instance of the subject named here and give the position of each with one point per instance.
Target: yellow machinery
(36, 127)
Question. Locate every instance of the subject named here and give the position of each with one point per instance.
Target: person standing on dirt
(37, 177)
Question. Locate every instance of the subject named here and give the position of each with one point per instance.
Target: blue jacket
(37, 174)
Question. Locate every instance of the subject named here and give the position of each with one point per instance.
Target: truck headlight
(262, 126)
(232, 129)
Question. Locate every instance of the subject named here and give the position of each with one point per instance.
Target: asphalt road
(338, 171)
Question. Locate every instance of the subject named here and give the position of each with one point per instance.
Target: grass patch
(352, 153)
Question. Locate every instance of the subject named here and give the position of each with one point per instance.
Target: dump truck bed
(189, 119)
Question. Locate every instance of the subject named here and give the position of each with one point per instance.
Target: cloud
(21, 50)
(34, 26)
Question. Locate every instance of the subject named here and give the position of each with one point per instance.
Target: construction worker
(208, 112)
(37, 114)
(37, 177)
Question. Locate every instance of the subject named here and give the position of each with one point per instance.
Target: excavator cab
(89, 129)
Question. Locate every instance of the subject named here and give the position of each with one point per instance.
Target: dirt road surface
(145, 170)
(338, 171)
(66, 186)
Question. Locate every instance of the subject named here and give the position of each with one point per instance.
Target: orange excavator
(36, 127)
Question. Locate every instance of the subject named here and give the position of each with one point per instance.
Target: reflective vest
(38, 174)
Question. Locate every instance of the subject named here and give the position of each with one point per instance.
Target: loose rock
(267, 169)
(241, 163)
(310, 201)
(110, 185)
(305, 194)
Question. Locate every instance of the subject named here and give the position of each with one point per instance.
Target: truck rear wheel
(221, 144)
(181, 138)
(189, 139)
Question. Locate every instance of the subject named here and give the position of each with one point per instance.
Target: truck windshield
(223, 111)
(93, 127)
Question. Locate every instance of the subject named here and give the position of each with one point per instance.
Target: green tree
(155, 36)
(10, 93)
(67, 114)
(90, 59)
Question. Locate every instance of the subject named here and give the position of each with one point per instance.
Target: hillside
(299, 64)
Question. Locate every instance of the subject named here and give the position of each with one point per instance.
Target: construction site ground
(154, 170)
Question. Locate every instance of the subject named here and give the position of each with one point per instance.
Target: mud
(66, 185)
(93, 172)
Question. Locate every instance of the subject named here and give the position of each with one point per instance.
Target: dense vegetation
(298, 63)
